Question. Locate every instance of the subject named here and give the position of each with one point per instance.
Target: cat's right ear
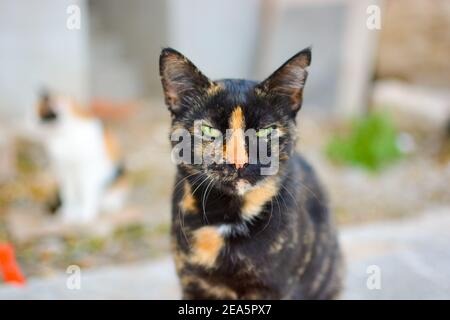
(181, 80)
(289, 80)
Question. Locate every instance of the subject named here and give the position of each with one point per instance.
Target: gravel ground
(411, 254)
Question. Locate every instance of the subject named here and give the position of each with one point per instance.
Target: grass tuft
(370, 144)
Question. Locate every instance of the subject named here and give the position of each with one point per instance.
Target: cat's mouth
(237, 186)
(234, 180)
(233, 183)
(242, 186)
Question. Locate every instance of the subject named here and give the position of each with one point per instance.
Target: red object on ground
(8, 266)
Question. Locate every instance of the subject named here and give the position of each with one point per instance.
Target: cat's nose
(241, 164)
(235, 152)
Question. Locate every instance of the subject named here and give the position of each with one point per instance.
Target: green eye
(210, 132)
(264, 132)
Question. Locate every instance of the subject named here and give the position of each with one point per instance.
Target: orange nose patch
(235, 152)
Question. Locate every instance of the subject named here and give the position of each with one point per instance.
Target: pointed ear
(288, 81)
(180, 79)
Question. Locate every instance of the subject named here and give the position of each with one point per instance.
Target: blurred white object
(406, 143)
(423, 104)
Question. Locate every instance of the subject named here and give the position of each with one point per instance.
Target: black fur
(289, 250)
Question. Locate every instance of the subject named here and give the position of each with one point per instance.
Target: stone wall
(415, 42)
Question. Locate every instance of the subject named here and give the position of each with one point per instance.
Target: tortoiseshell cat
(239, 234)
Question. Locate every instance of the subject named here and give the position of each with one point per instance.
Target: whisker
(184, 179)
(279, 210)
(204, 200)
(181, 216)
(308, 189)
(204, 180)
(290, 194)
(270, 218)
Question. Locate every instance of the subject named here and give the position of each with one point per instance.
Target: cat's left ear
(181, 80)
(288, 81)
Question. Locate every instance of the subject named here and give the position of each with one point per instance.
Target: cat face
(46, 109)
(55, 111)
(233, 126)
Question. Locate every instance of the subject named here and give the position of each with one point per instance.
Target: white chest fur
(82, 166)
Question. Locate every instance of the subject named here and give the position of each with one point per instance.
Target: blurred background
(375, 124)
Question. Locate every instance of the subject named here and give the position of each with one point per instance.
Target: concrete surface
(412, 256)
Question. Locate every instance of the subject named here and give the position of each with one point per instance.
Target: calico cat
(237, 233)
(85, 158)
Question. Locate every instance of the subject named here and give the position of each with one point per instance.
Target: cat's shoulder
(307, 175)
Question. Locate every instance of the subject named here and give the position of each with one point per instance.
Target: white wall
(125, 42)
(220, 37)
(37, 49)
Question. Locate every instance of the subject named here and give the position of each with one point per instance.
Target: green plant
(371, 143)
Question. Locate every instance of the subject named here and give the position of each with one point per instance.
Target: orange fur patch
(188, 203)
(235, 152)
(208, 243)
(214, 88)
(219, 291)
(111, 145)
(237, 120)
(108, 110)
(256, 198)
(80, 112)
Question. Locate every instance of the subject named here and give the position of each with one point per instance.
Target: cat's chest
(76, 144)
